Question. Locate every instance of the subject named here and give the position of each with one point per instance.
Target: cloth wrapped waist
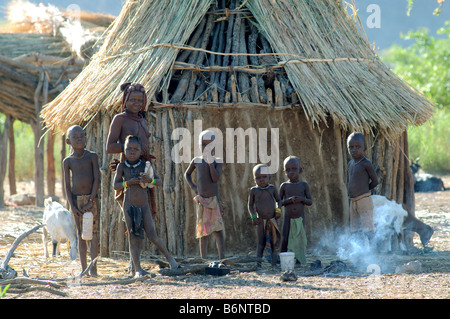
(357, 198)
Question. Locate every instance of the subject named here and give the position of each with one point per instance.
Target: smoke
(357, 248)
(30, 17)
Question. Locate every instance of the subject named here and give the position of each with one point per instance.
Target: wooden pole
(3, 159)
(12, 159)
(63, 156)
(51, 176)
(38, 144)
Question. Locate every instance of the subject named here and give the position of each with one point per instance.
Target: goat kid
(59, 228)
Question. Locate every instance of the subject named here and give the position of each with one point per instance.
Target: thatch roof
(330, 65)
(38, 56)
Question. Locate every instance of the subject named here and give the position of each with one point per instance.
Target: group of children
(129, 135)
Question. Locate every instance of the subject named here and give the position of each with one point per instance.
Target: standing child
(361, 179)
(82, 181)
(130, 122)
(264, 207)
(209, 217)
(295, 194)
(136, 209)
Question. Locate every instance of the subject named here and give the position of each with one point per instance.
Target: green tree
(425, 65)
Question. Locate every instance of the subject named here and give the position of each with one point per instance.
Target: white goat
(388, 217)
(60, 225)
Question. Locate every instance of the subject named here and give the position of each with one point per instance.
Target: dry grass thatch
(331, 67)
(357, 95)
(140, 24)
(41, 51)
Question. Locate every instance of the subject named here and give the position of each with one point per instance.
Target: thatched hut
(301, 67)
(41, 51)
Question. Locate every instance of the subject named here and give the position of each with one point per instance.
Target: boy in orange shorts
(361, 180)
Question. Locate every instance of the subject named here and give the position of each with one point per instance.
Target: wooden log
(188, 79)
(51, 177)
(192, 92)
(12, 158)
(283, 92)
(217, 45)
(395, 166)
(38, 144)
(5, 270)
(254, 94)
(240, 260)
(106, 200)
(269, 96)
(169, 211)
(252, 39)
(184, 270)
(387, 185)
(408, 198)
(214, 93)
(226, 59)
(278, 93)
(401, 172)
(3, 159)
(63, 156)
(184, 80)
(288, 89)
(192, 42)
(236, 44)
(244, 82)
(233, 89)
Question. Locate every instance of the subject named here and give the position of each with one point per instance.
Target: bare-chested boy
(209, 212)
(136, 208)
(82, 181)
(361, 179)
(295, 194)
(264, 207)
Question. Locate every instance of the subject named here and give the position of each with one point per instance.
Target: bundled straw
(140, 24)
(357, 95)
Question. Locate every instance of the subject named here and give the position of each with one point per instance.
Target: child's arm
(372, 175)
(113, 146)
(158, 181)
(215, 169)
(95, 184)
(251, 209)
(277, 198)
(118, 179)
(188, 178)
(282, 194)
(308, 199)
(68, 188)
(96, 172)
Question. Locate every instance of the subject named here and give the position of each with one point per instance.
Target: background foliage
(426, 66)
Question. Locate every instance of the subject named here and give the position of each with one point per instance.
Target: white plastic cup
(287, 261)
(88, 225)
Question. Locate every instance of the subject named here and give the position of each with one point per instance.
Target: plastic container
(88, 225)
(287, 261)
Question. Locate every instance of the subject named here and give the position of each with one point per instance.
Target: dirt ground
(433, 281)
